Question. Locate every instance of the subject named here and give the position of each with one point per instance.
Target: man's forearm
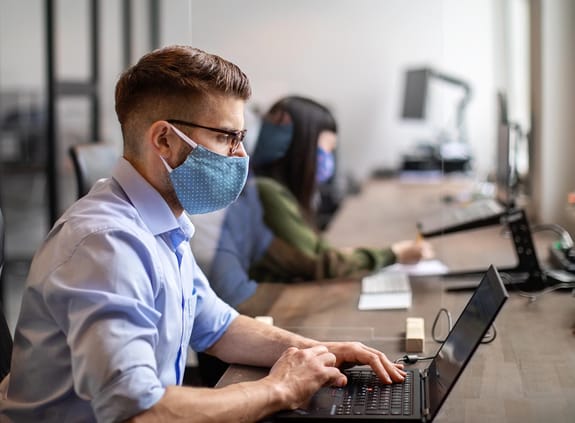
(248, 341)
(241, 402)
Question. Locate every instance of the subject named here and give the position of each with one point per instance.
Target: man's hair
(164, 80)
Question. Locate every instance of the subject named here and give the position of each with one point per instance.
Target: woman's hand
(410, 252)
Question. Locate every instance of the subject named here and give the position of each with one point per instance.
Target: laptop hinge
(425, 391)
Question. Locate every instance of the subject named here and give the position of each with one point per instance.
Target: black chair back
(92, 161)
(5, 335)
(1, 245)
(5, 346)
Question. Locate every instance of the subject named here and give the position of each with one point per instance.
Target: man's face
(220, 116)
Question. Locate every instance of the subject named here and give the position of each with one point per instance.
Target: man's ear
(165, 142)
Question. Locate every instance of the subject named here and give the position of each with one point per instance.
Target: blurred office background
(60, 59)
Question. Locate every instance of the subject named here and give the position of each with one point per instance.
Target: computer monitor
(415, 94)
(415, 99)
(504, 167)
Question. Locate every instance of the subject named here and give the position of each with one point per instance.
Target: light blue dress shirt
(113, 298)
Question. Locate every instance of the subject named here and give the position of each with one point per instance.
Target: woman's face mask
(207, 181)
(325, 167)
(273, 142)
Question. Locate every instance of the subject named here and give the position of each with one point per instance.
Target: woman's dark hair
(297, 169)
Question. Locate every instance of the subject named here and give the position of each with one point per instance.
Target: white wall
(351, 55)
(554, 100)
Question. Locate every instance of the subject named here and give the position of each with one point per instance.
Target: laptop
(420, 397)
(481, 212)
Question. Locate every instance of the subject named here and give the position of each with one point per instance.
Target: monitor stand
(527, 274)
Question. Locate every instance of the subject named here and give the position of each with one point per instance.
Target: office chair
(5, 335)
(5, 345)
(1, 243)
(92, 161)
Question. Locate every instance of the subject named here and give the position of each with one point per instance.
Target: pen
(419, 236)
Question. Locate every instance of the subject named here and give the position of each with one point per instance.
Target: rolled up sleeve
(105, 306)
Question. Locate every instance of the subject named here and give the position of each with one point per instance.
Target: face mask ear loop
(184, 137)
(168, 168)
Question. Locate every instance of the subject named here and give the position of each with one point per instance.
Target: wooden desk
(527, 374)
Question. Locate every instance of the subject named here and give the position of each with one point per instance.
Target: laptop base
(527, 275)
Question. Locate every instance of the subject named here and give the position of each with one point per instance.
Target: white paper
(422, 268)
(386, 301)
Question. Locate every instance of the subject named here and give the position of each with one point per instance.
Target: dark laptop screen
(464, 338)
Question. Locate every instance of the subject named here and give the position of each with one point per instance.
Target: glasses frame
(236, 137)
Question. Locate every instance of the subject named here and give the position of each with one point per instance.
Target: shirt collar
(150, 205)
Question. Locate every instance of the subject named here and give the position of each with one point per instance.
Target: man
(114, 296)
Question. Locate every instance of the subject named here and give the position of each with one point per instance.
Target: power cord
(434, 326)
(566, 240)
(414, 358)
(531, 296)
(487, 339)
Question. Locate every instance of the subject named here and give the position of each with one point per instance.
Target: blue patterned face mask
(207, 181)
(325, 165)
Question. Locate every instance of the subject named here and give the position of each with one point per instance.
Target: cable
(412, 358)
(487, 339)
(567, 241)
(449, 324)
(490, 336)
(534, 297)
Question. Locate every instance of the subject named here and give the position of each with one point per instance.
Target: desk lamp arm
(467, 91)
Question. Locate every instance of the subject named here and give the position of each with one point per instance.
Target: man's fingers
(386, 370)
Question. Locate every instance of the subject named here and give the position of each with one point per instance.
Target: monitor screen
(504, 168)
(415, 94)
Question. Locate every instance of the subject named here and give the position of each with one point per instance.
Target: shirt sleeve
(103, 300)
(213, 315)
(283, 216)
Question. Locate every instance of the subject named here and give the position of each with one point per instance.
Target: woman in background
(268, 234)
(294, 153)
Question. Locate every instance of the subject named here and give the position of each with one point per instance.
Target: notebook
(385, 290)
(421, 397)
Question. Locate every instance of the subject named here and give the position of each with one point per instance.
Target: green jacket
(298, 252)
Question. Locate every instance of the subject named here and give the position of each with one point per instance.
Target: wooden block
(414, 334)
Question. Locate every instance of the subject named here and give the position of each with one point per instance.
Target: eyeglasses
(234, 137)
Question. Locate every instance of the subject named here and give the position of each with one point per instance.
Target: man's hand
(299, 373)
(352, 353)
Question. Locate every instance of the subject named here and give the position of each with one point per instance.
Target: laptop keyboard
(476, 210)
(455, 218)
(365, 394)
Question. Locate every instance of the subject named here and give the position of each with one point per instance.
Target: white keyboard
(385, 281)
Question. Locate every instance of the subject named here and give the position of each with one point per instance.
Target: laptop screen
(464, 338)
